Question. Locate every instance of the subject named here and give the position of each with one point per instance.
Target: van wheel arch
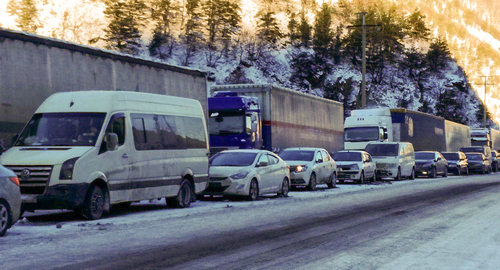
(190, 178)
(105, 192)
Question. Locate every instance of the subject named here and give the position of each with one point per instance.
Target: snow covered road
(444, 223)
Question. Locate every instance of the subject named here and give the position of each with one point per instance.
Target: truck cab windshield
(361, 134)
(224, 124)
(62, 129)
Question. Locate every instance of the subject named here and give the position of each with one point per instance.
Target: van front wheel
(183, 198)
(94, 203)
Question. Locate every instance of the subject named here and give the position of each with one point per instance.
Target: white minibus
(88, 150)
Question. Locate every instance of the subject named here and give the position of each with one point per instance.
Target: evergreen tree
(323, 36)
(192, 37)
(305, 30)
(293, 29)
(164, 13)
(126, 16)
(268, 29)
(449, 106)
(416, 26)
(438, 54)
(27, 14)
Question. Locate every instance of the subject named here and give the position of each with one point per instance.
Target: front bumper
(227, 186)
(299, 178)
(67, 196)
(348, 175)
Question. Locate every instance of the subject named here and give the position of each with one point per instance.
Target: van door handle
(125, 155)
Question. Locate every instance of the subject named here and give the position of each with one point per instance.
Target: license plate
(28, 198)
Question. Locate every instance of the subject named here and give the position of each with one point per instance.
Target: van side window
(116, 125)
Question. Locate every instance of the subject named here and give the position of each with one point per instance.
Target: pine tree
(438, 54)
(305, 30)
(165, 14)
(126, 16)
(416, 26)
(268, 29)
(323, 36)
(192, 37)
(27, 14)
(293, 29)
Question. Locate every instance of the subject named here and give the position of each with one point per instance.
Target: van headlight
(67, 169)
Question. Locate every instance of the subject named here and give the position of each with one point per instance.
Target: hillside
(402, 70)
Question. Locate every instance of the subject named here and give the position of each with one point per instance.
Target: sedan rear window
(233, 159)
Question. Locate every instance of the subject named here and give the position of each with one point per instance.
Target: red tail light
(14, 180)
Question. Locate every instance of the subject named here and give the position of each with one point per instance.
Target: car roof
(244, 151)
(304, 148)
(352, 151)
(425, 151)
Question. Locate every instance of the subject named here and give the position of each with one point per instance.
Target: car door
(369, 165)
(264, 172)
(276, 171)
(320, 166)
(329, 165)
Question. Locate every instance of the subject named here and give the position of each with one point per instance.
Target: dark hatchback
(431, 164)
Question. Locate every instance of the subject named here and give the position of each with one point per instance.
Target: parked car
(457, 162)
(393, 159)
(479, 163)
(485, 150)
(494, 160)
(310, 166)
(355, 165)
(248, 173)
(10, 199)
(431, 164)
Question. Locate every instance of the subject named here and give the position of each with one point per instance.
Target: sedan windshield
(233, 159)
(361, 134)
(347, 156)
(297, 155)
(425, 156)
(382, 150)
(451, 156)
(62, 129)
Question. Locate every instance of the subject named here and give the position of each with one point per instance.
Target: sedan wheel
(5, 218)
(333, 181)
(398, 176)
(285, 188)
(253, 193)
(433, 172)
(445, 173)
(312, 182)
(362, 178)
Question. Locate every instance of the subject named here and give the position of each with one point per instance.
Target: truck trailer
(486, 136)
(424, 131)
(251, 116)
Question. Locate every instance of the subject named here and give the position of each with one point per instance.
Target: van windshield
(382, 150)
(62, 129)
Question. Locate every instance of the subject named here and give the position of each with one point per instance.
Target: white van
(87, 150)
(393, 159)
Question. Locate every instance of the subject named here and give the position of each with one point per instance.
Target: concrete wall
(32, 68)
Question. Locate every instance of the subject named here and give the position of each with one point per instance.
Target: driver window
(318, 156)
(263, 158)
(116, 125)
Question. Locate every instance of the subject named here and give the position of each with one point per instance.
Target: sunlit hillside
(471, 28)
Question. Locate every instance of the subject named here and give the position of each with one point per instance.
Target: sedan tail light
(14, 180)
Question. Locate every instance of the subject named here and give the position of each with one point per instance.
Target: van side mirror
(111, 141)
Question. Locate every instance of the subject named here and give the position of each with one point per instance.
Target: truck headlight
(240, 175)
(67, 169)
(301, 168)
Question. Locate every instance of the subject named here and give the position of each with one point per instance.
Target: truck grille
(32, 179)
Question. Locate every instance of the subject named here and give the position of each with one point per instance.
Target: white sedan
(310, 166)
(249, 173)
(10, 199)
(355, 165)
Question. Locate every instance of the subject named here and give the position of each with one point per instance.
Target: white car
(310, 166)
(355, 165)
(249, 173)
(10, 199)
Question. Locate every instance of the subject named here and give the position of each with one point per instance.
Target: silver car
(248, 173)
(310, 166)
(10, 199)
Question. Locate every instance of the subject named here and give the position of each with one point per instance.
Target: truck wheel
(312, 182)
(433, 172)
(5, 217)
(94, 203)
(445, 173)
(183, 198)
(398, 176)
(285, 188)
(253, 192)
(333, 181)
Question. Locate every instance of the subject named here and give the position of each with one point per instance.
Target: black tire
(433, 172)
(94, 203)
(362, 177)
(445, 173)
(5, 217)
(183, 198)
(467, 171)
(285, 188)
(412, 175)
(253, 191)
(459, 171)
(312, 182)
(398, 176)
(333, 181)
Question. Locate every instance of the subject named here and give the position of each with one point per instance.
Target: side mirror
(254, 127)
(319, 161)
(111, 141)
(262, 164)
